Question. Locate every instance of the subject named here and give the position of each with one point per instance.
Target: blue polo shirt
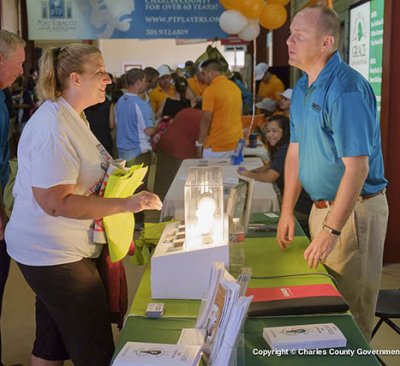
(335, 117)
(4, 148)
(133, 116)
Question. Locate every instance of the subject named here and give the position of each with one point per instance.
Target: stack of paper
(153, 354)
(217, 272)
(222, 314)
(309, 336)
(243, 279)
(234, 325)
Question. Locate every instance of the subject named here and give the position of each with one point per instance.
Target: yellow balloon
(251, 8)
(280, 2)
(272, 16)
(230, 4)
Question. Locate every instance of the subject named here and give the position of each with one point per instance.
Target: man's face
(206, 76)
(305, 41)
(11, 67)
(165, 81)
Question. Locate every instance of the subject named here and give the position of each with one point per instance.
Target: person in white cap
(267, 106)
(164, 88)
(270, 86)
(284, 103)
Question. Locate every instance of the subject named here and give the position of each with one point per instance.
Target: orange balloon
(230, 4)
(272, 16)
(280, 2)
(251, 8)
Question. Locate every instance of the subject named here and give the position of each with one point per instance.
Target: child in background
(277, 134)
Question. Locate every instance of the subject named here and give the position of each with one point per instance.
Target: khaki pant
(356, 260)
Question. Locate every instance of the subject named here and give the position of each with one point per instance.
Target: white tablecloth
(264, 197)
(259, 151)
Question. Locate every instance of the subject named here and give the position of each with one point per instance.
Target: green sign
(366, 42)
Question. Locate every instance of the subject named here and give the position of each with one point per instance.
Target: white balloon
(250, 32)
(232, 21)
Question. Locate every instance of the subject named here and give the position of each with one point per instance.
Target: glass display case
(204, 208)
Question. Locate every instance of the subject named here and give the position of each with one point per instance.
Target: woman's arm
(61, 201)
(262, 174)
(160, 109)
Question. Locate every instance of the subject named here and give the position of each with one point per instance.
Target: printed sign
(94, 19)
(366, 42)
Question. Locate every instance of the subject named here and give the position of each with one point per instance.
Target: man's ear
(328, 42)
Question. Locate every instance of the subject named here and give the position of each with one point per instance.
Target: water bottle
(236, 246)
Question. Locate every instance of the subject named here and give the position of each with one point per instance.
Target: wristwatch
(198, 144)
(331, 230)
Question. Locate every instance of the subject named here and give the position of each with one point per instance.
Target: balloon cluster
(244, 17)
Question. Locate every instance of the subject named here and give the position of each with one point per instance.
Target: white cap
(164, 70)
(261, 69)
(287, 93)
(267, 104)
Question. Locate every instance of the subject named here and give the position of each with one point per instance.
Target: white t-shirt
(56, 147)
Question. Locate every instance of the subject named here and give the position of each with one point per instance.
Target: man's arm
(205, 124)
(356, 171)
(287, 222)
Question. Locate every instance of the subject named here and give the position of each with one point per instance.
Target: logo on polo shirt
(316, 107)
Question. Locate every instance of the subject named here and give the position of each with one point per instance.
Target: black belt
(326, 204)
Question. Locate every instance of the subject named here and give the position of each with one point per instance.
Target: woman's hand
(243, 171)
(143, 201)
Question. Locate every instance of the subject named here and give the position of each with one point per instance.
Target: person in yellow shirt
(164, 89)
(196, 86)
(270, 86)
(221, 121)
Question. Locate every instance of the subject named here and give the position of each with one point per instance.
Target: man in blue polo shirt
(12, 56)
(134, 127)
(335, 154)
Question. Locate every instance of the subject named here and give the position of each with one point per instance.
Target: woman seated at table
(61, 166)
(277, 135)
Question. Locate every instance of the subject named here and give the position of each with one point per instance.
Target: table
(264, 197)
(266, 259)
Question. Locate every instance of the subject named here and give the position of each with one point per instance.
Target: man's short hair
(9, 42)
(328, 22)
(212, 64)
(151, 72)
(133, 75)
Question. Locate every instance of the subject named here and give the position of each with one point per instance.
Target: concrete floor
(18, 322)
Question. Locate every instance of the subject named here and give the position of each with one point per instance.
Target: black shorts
(72, 317)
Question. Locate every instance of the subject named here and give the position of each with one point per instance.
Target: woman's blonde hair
(56, 65)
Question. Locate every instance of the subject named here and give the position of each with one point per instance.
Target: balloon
(232, 21)
(230, 4)
(251, 8)
(250, 32)
(280, 2)
(272, 16)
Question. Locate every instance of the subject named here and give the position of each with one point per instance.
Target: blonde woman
(61, 164)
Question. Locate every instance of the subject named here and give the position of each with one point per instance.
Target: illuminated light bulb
(206, 208)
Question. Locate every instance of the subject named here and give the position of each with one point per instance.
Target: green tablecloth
(167, 330)
(272, 223)
(267, 260)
